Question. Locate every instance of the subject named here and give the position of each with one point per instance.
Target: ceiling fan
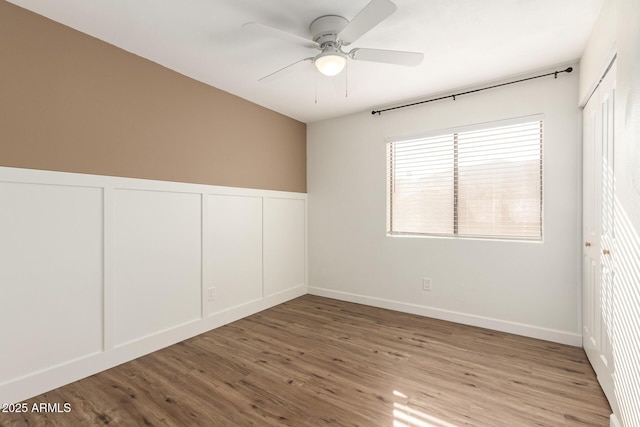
(330, 33)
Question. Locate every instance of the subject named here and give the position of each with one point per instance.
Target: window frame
(453, 131)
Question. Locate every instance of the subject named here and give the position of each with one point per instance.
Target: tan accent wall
(70, 102)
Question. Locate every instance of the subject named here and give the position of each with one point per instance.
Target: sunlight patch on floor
(405, 416)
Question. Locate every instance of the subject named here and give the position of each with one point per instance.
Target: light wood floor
(315, 361)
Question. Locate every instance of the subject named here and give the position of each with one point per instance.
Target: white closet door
(590, 258)
(598, 220)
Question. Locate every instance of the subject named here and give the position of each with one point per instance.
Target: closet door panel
(598, 225)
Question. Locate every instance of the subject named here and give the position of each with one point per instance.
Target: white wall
(96, 270)
(620, 29)
(599, 52)
(523, 287)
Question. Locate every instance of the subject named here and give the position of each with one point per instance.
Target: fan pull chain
(346, 80)
(315, 84)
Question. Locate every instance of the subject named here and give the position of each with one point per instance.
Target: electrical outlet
(426, 284)
(211, 294)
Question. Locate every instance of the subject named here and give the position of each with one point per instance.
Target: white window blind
(481, 182)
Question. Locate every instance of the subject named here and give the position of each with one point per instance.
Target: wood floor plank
(315, 361)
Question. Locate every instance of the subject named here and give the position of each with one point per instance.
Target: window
(474, 182)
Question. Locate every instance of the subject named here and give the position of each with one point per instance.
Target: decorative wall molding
(96, 270)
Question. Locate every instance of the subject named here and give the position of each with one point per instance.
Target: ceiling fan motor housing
(324, 30)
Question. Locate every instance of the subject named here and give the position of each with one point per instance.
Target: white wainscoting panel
(234, 251)
(96, 271)
(50, 276)
(157, 261)
(284, 244)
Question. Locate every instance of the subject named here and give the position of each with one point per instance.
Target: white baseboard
(613, 421)
(531, 331)
(40, 382)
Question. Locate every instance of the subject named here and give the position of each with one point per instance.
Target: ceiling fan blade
(396, 57)
(372, 14)
(265, 30)
(283, 71)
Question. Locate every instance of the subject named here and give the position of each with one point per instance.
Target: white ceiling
(465, 42)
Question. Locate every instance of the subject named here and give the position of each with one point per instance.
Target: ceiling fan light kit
(324, 31)
(330, 33)
(330, 63)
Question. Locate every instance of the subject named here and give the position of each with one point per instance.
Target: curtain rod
(453, 96)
